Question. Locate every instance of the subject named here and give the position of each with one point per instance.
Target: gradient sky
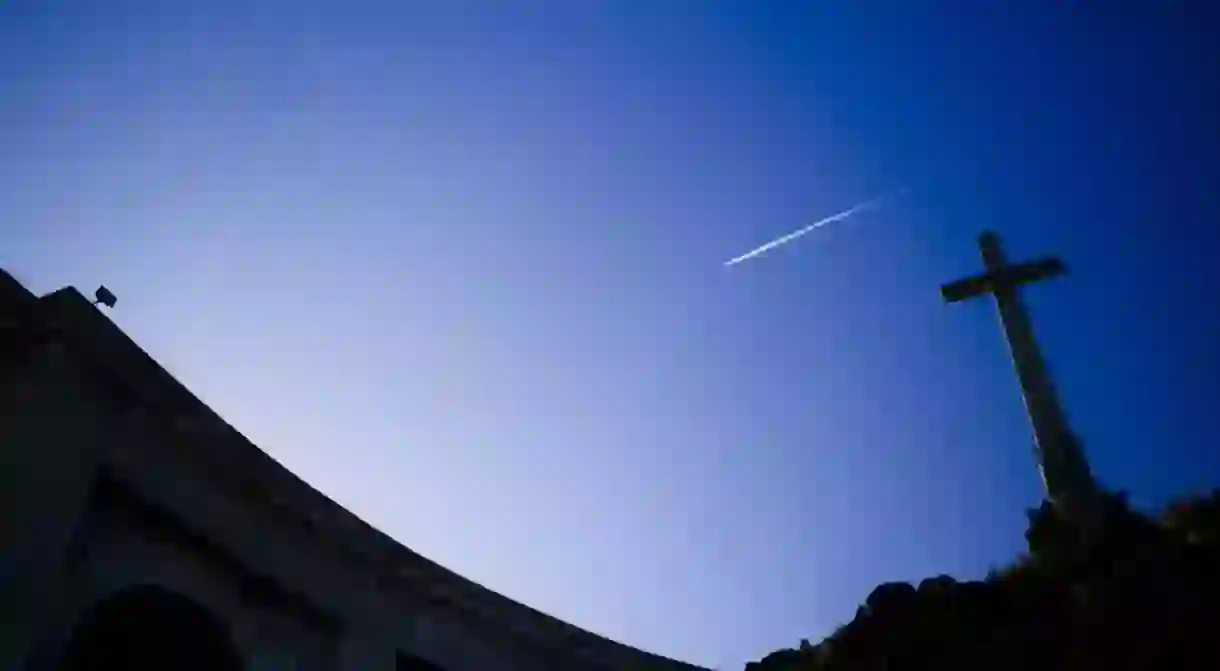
(459, 266)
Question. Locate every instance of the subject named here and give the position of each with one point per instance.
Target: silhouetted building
(139, 530)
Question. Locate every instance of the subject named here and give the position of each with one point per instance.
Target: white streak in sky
(866, 205)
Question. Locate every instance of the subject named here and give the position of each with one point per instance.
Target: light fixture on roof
(105, 297)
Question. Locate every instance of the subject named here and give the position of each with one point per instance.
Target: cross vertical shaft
(1037, 389)
(1065, 471)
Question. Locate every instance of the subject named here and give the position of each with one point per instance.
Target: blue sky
(459, 265)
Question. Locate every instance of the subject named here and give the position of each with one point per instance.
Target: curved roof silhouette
(134, 380)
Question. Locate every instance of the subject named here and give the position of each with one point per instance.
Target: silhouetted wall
(113, 475)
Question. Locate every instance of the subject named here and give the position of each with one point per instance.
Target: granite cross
(1065, 472)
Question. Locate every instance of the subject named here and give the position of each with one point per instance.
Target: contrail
(866, 205)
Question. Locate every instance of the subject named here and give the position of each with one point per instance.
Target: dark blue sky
(461, 269)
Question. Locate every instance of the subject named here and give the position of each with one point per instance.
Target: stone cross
(1065, 471)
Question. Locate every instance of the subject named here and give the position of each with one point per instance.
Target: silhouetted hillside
(1146, 595)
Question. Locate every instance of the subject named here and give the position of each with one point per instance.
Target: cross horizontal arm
(1033, 271)
(1002, 278)
(968, 287)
